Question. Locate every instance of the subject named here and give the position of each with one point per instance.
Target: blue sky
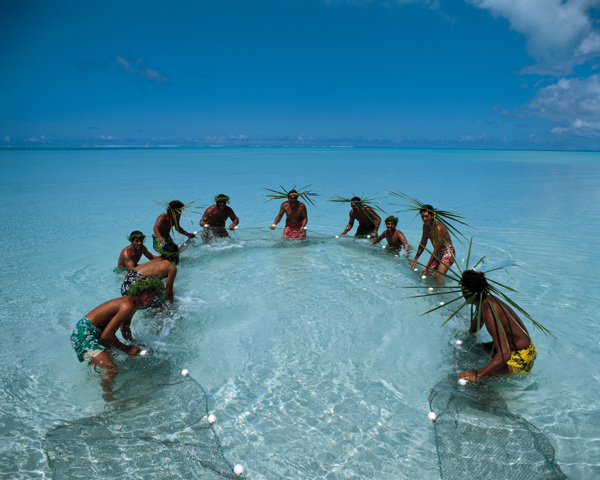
(403, 73)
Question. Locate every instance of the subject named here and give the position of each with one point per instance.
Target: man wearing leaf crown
(165, 222)
(436, 232)
(296, 217)
(214, 218)
(511, 350)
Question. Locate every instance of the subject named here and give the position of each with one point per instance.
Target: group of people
(511, 348)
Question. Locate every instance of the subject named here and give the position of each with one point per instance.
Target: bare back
(516, 333)
(159, 267)
(123, 308)
(163, 225)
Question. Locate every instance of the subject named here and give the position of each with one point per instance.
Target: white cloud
(145, 72)
(555, 29)
(572, 103)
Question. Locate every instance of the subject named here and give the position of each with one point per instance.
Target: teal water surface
(312, 361)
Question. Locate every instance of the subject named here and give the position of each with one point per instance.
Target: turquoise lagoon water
(311, 360)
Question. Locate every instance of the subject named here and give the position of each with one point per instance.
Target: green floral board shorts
(86, 340)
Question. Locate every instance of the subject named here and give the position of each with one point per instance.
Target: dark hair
(474, 283)
(292, 191)
(175, 206)
(427, 208)
(136, 234)
(392, 219)
(170, 251)
(355, 199)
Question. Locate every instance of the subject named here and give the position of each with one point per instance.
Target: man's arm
(204, 219)
(305, 219)
(159, 222)
(183, 232)
(170, 282)
(124, 313)
(378, 239)
(234, 219)
(502, 349)
(350, 224)
(147, 254)
(279, 216)
(126, 330)
(404, 241)
(376, 219)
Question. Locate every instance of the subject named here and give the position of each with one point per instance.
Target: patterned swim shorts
(86, 340)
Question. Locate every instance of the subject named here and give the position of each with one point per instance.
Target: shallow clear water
(311, 360)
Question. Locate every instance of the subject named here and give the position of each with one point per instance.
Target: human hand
(232, 227)
(469, 376)
(272, 226)
(133, 350)
(412, 265)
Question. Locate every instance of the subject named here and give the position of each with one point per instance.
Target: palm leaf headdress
(304, 193)
(190, 207)
(476, 298)
(446, 218)
(363, 204)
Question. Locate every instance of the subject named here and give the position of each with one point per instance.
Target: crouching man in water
(395, 238)
(97, 331)
(511, 349)
(159, 268)
(296, 217)
(131, 254)
(214, 218)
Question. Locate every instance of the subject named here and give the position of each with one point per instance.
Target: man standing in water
(511, 348)
(443, 251)
(368, 220)
(296, 217)
(163, 267)
(395, 238)
(214, 219)
(167, 221)
(130, 255)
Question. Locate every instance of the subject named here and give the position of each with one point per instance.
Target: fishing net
(478, 437)
(153, 426)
